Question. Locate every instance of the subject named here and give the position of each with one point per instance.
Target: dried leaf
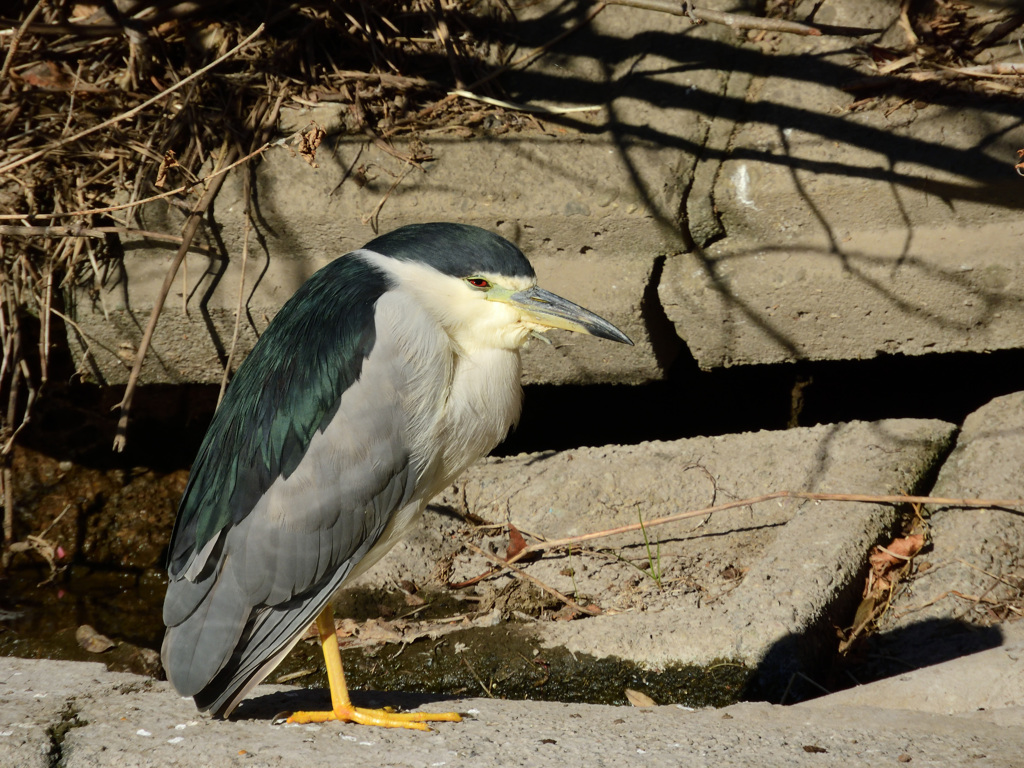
(309, 142)
(880, 560)
(92, 641)
(865, 611)
(170, 161)
(344, 628)
(907, 546)
(516, 542)
(45, 75)
(566, 613)
(896, 553)
(638, 699)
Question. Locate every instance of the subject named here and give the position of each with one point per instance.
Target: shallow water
(39, 620)
(124, 605)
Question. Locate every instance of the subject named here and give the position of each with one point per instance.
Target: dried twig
(740, 21)
(134, 110)
(997, 69)
(988, 573)
(537, 109)
(268, 122)
(1000, 31)
(521, 574)
(188, 232)
(12, 50)
(246, 231)
(213, 175)
(855, 497)
(442, 33)
(73, 231)
(520, 62)
(372, 217)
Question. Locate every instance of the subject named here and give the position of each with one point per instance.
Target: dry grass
(943, 49)
(132, 100)
(96, 108)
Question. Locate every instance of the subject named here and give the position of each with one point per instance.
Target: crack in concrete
(58, 732)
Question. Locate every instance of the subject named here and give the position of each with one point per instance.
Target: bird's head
(479, 286)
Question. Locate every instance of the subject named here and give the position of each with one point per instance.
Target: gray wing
(245, 598)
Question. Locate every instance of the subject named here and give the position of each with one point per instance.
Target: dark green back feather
(287, 389)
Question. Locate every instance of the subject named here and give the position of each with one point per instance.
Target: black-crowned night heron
(390, 371)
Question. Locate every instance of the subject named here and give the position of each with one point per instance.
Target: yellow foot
(380, 717)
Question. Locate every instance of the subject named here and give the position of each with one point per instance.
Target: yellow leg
(341, 705)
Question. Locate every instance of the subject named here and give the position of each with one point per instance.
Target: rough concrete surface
(309, 227)
(987, 680)
(973, 567)
(727, 188)
(794, 226)
(763, 586)
(79, 715)
(882, 292)
(847, 234)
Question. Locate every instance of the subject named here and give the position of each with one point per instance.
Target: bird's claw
(381, 718)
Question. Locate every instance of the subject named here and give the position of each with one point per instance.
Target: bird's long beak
(548, 309)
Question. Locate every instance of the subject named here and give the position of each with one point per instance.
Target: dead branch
(134, 110)
(268, 122)
(520, 62)
(188, 232)
(854, 497)
(740, 21)
(521, 574)
(162, 196)
(72, 231)
(16, 40)
(998, 69)
(1000, 31)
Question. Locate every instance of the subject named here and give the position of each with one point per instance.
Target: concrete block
(759, 586)
(846, 230)
(593, 198)
(136, 722)
(972, 564)
(984, 681)
(930, 289)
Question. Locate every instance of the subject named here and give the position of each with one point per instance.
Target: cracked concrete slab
(798, 223)
(971, 568)
(849, 233)
(761, 586)
(138, 722)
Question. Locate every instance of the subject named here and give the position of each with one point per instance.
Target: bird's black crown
(458, 250)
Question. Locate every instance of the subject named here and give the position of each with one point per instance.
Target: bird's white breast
(460, 403)
(483, 405)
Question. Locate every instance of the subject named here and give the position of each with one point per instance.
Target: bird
(390, 371)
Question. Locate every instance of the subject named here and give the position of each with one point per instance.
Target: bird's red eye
(478, 282)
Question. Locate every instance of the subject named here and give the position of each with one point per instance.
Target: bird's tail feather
(269, 634)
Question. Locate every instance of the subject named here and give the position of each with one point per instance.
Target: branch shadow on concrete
(802, 667)
(643, 69)
(982, 177)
